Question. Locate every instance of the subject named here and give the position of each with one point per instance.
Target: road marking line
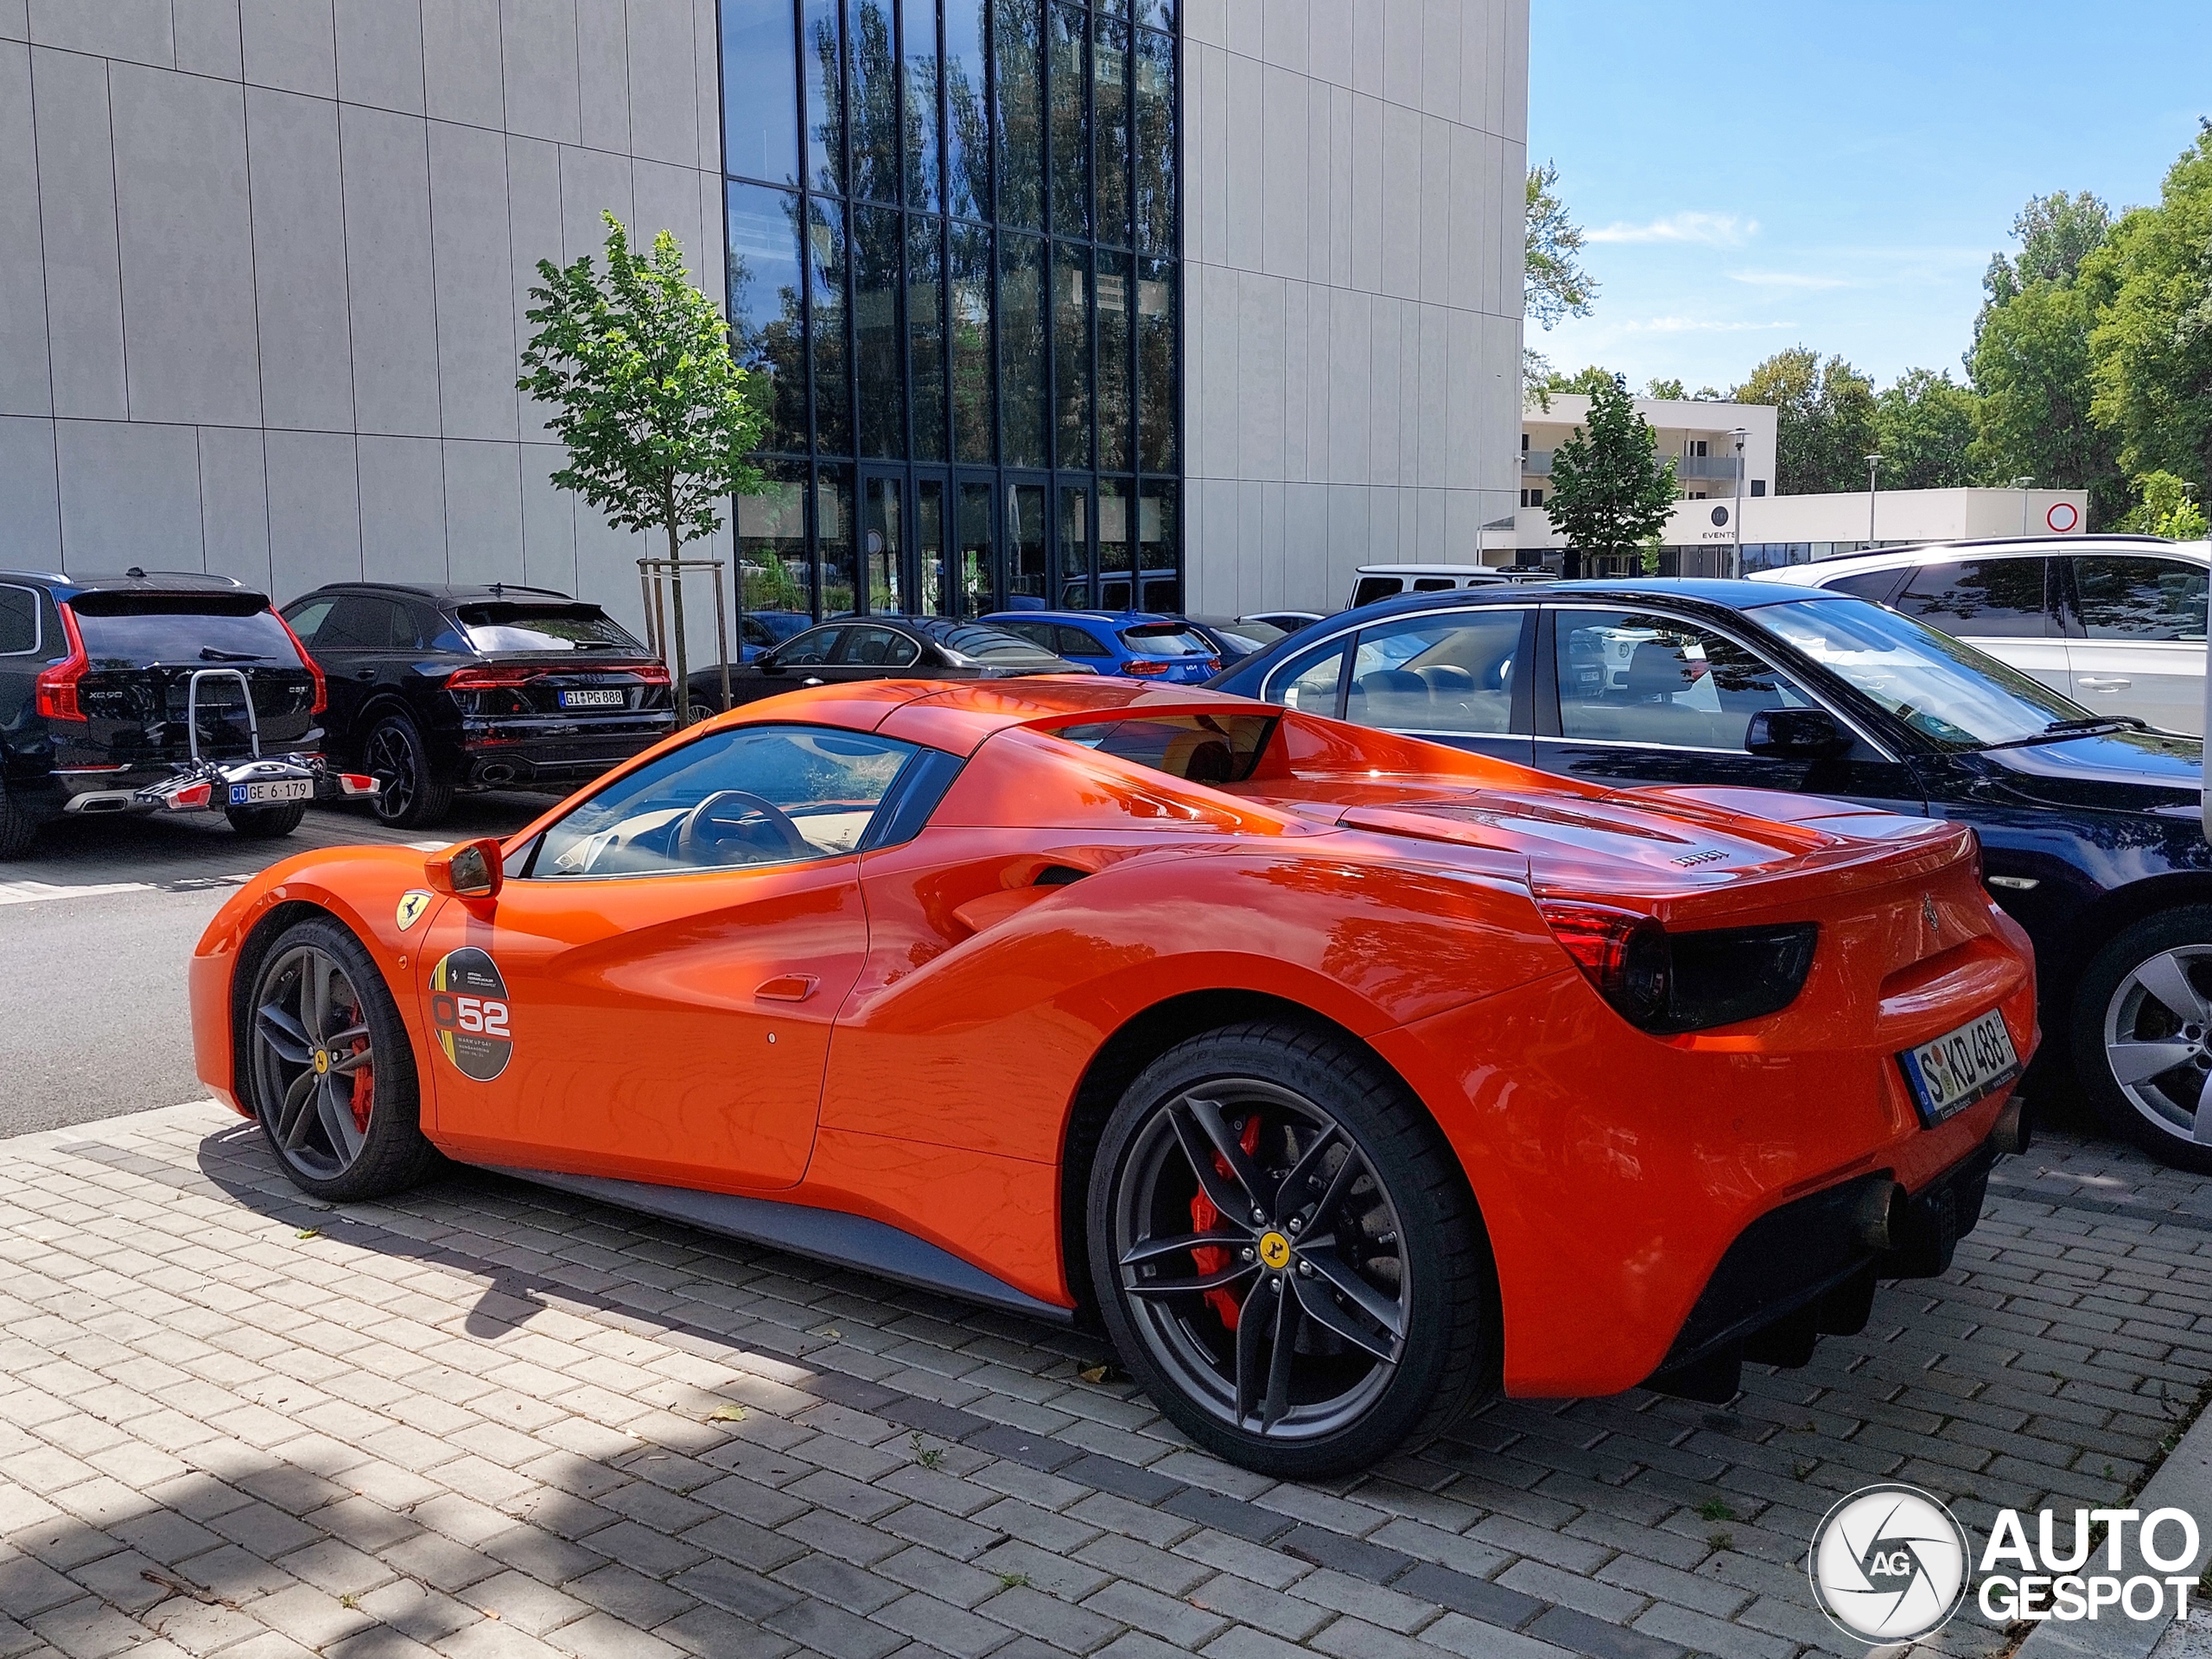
(29, 892)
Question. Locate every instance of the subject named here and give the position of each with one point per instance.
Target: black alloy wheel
(1286, 1253)
(334, 1082)
(267, 823)
(409, 796)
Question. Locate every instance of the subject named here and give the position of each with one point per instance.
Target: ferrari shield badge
(412, 904)
(468, 1009)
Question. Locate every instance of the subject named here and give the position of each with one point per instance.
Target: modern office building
(1161, 301)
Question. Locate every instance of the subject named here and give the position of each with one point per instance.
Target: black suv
(161, 692)
(435, 688)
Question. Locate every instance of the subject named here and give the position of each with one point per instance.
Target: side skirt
(872, 1246)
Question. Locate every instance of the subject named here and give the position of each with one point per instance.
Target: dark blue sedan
(2089, 823)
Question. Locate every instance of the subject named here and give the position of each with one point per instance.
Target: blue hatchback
(1138, 645)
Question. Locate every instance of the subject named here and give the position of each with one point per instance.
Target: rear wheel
(332, 1077)
(409, 795)
(1286, 1253)
(266, 823)
(17, 827)
(2143, 1035)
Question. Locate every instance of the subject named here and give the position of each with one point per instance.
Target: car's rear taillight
(322, 686)
(1666, 982)
(1140, 669)
(489, 679)
(55, 691)
(651, 674)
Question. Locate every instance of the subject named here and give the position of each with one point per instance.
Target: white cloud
(1714, 230)
(1788, 279)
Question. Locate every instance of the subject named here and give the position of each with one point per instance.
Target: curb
(2183, 1481)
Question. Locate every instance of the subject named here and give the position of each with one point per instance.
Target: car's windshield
(1942, 688)
(496, 628)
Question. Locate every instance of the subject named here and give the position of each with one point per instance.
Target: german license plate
(1949, 1075)
(289, 788)
(608, 699)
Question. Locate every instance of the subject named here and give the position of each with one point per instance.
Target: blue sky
(1756, 177)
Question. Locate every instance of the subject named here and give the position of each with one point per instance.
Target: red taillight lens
(652, 674)
(56, 687)
(322, 686)
(190, 797)
(488, 679)
(1143, 670)
(1624, 955)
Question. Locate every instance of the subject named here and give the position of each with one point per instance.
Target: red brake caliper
(365, 1085)
(1212, 1258)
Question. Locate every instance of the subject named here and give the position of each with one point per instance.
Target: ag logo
(1888, 1565)
(412, 904)
(469, 1009)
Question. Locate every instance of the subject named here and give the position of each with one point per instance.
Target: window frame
(38, 618)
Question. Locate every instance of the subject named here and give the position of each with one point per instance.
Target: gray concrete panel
(379, 49)
(15, 20)
(30, 504)
(129, 495)
(26, 383)
(84, 288)
(186, 243)
(299, 251)
(207, 38)
(483, 486)
(461, 61)
(390, 289)
(593, 182)
(548, 522)
(603, 74)
(475, 310)
(663, 124)
(667, 198)
(137, 31)
(234, 505)
(538, 60)
(533, 234)
(290, 44)
(402, 509)
(314, 513)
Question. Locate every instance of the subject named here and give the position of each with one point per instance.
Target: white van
(1374, 581)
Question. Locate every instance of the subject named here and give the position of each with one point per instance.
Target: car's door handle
(788, 988)
(2089, 682)
(364, 673)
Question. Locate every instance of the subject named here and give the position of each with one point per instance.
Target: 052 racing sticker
(468, 1010)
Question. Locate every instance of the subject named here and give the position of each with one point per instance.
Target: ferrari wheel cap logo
(412, 904)
(1275, 1250)
(321, 1061)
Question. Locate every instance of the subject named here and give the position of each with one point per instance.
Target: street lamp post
(1873, 468)
(2022, 486)
(1736, 554)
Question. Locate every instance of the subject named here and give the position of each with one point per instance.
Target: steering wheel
(696, 843)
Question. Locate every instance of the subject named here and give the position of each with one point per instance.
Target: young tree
(1610, 492)
(1554, 286)
(1824, 419)
(635, 366)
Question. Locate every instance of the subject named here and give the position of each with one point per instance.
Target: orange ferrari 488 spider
(1343, 1077)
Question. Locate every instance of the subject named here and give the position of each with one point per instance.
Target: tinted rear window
(1978, 597)
(1154, 641)
(133, 630)
(1371, 588)
(496, 628)
(1199, 748)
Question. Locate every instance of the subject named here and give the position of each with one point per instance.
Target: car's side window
(2128, 597)
(18, 621)
(308, 620)
(810, 649)
(1629, 677)
(1079, 643)
(1450, 673)
(743, 796)
(1994, 597)
(1310, 682)
(1367, 589)
(1877, 585)
(1039, 635)
(876, 647)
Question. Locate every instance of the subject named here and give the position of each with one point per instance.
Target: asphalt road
(96, 926)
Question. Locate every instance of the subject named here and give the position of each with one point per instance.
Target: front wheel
(2143, 1035)
(330, 1073)
(1287, 1256)
(266, 823)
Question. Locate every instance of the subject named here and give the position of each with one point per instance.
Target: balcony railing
(1705, 467)
(1538, 461)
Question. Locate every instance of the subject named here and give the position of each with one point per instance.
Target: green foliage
(1610, 492)
(1593, 382)
(2152, 336)
(2168, 508)
(2055, 233)
(1664, 388)
(1924, 429)
(636, 368)
(1554, 286)
(1824, 419)
(2032, 368)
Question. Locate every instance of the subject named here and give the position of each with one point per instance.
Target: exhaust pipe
(2013, 1132)
(1882, 1217)
(105, 800)
(498, 772)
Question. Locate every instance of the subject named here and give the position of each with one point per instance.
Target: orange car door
(670, 1029)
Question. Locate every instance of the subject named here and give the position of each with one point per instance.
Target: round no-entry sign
(2063, 517)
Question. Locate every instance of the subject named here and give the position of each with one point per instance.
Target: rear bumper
(206, 786)
(492, 754)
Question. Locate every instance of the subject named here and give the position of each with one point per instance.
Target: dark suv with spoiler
(435, 688)
(160, 692)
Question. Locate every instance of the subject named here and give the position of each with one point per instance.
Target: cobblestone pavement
(489, 1420)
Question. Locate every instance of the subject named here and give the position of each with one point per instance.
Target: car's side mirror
(469, 869)
(1796, 735)
(768, 663)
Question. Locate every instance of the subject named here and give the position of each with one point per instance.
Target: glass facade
(953, 270)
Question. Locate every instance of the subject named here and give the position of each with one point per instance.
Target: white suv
(2115, 622)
